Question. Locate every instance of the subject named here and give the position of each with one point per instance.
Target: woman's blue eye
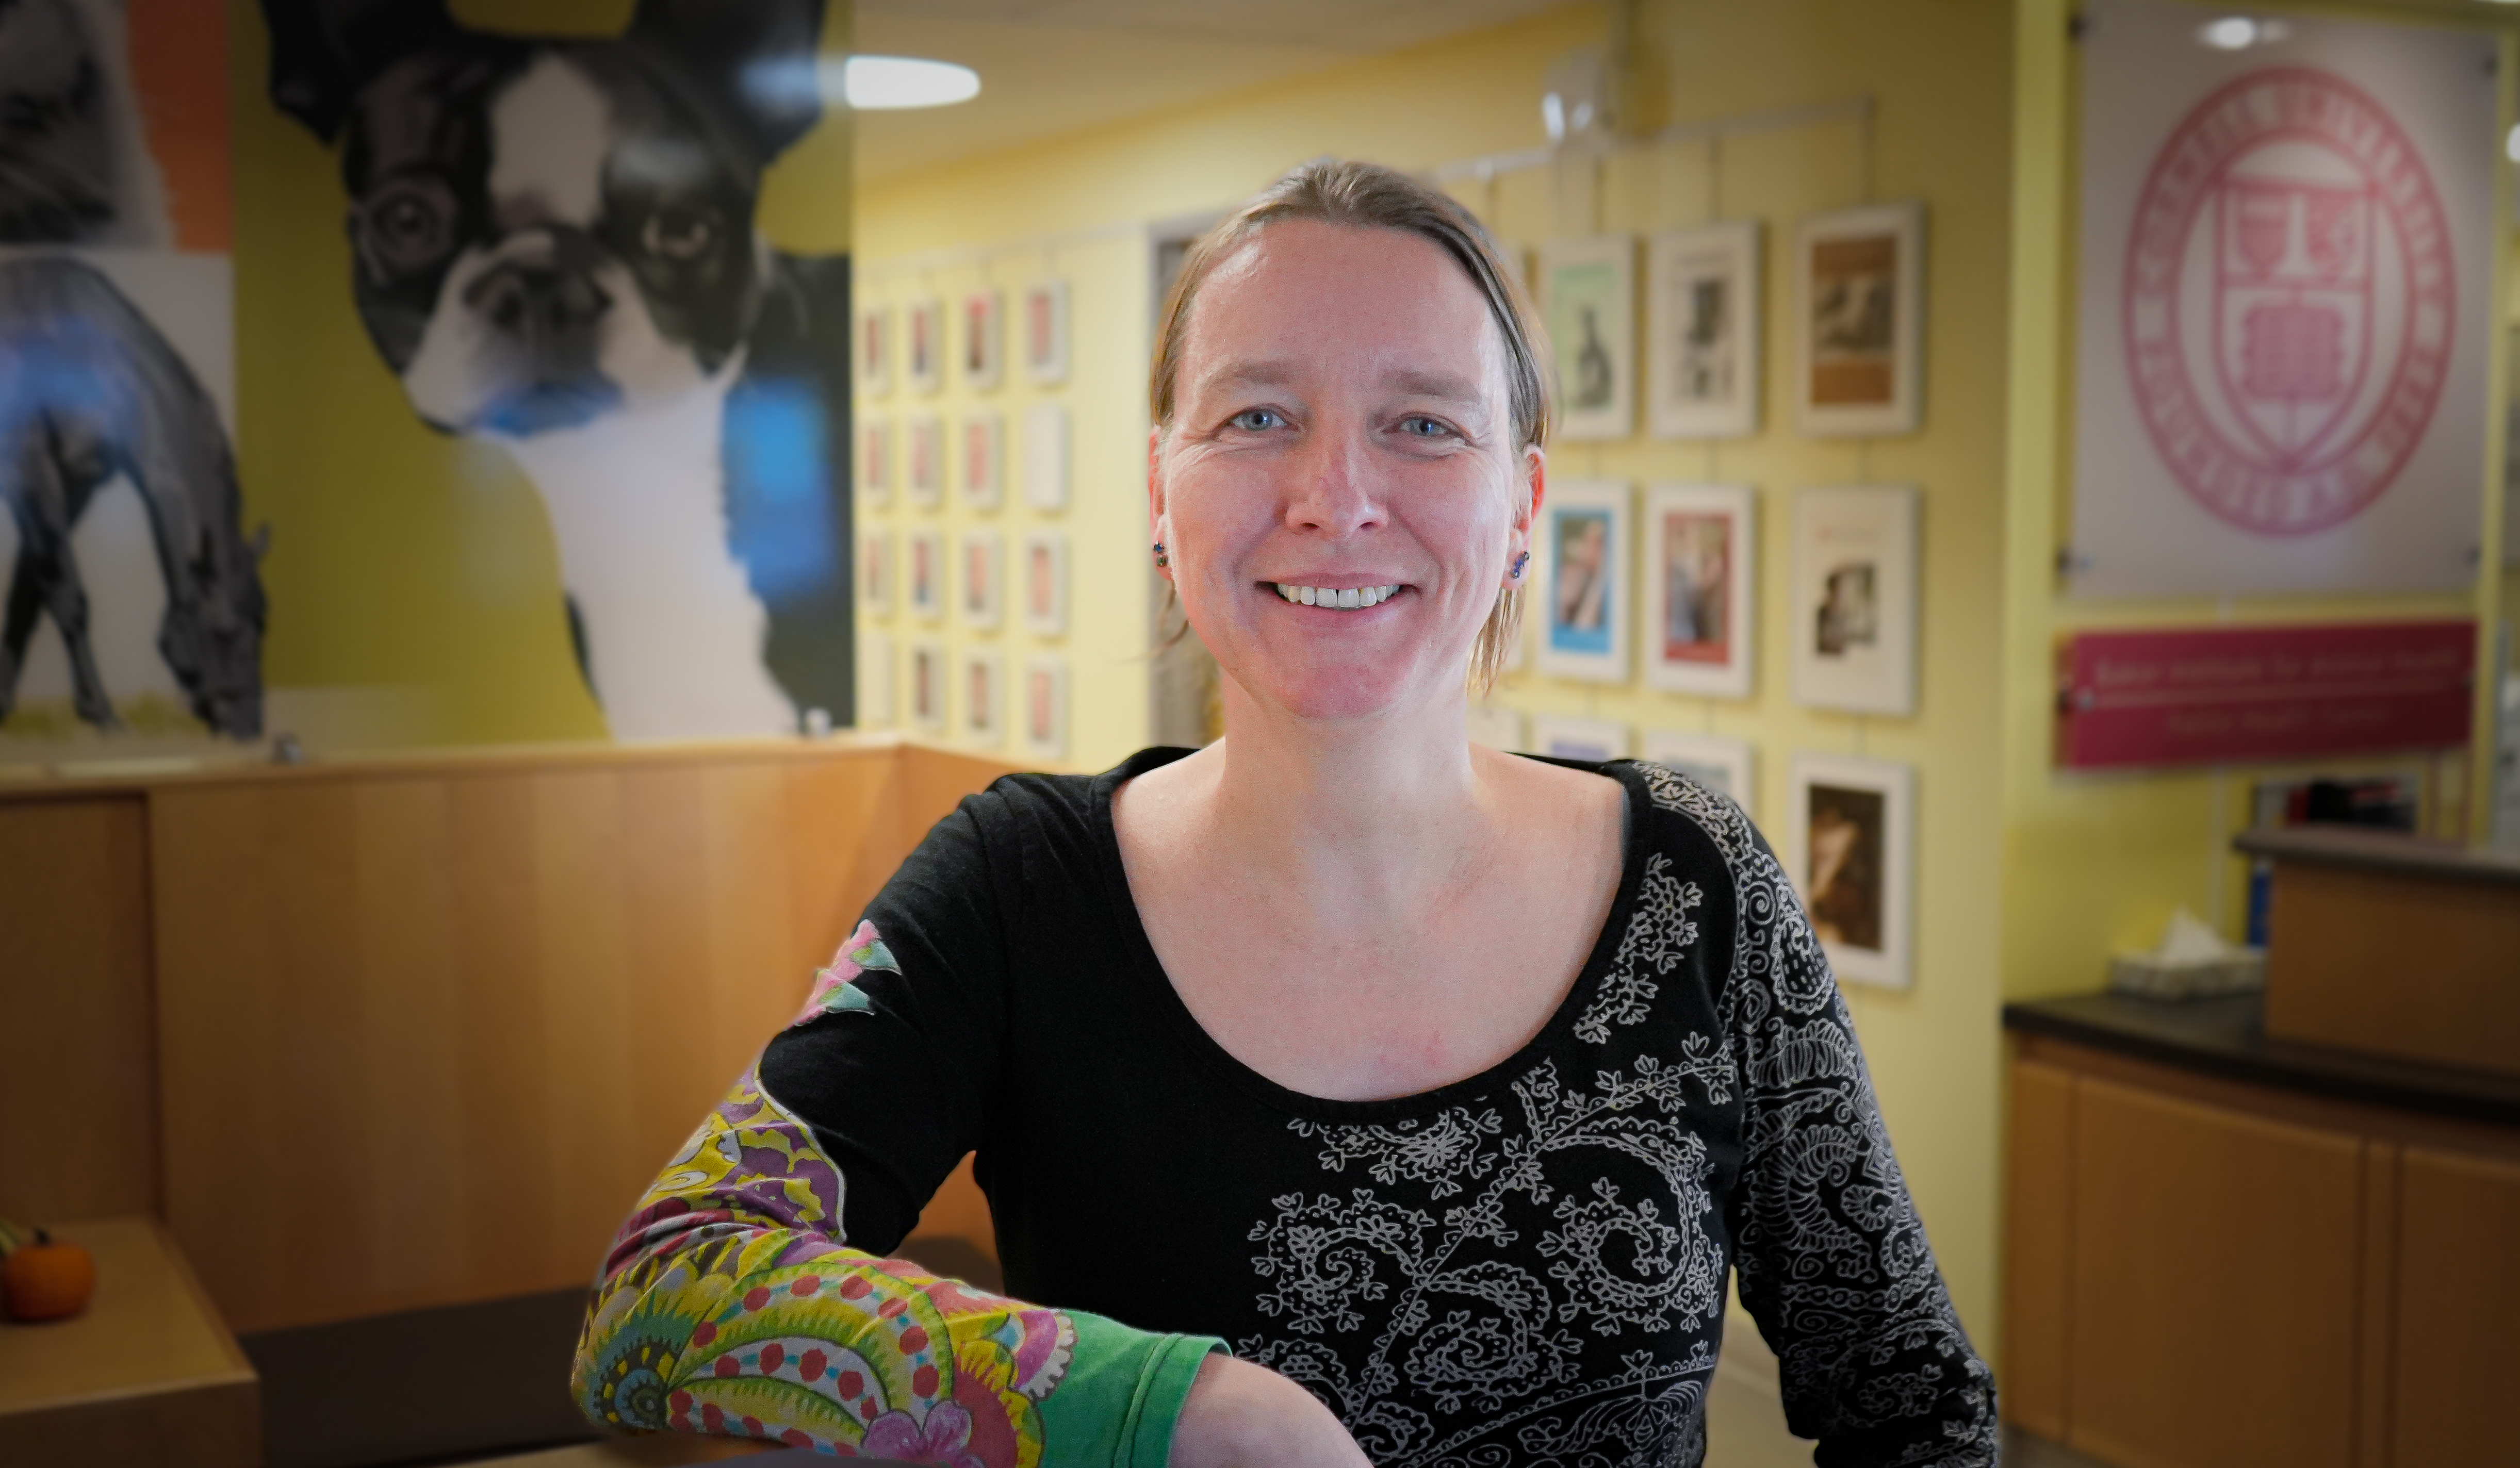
(1257, 420)
(1419, 427)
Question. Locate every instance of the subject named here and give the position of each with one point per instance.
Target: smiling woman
(1566, 1020)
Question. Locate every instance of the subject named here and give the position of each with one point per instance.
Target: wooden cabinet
(2204, 1273)
(2455, 1393)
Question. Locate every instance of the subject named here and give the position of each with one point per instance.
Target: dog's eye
(406, 228)
(678, 234)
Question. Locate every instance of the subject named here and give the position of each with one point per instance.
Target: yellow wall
(1941, 75)
(413, 586)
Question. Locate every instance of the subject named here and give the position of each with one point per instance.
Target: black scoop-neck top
(1525, 1267)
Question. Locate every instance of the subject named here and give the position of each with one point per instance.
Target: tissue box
(2148, 977)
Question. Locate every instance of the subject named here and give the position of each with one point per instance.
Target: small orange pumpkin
(45, 1280)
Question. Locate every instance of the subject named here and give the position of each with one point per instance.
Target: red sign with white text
(2239, 694)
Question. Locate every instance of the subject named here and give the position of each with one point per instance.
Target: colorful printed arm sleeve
(731, 1303)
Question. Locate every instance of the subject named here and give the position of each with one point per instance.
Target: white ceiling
(1052, 67)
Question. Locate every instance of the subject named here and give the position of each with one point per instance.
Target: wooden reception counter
(2229, 1247)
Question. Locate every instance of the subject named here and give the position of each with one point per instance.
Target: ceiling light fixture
(2511, 141)
(887, 83)
(2230, 33)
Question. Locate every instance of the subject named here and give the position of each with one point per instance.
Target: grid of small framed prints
(955, 455)
(1657, 586)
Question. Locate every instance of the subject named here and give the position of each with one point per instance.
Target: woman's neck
(1343, 819)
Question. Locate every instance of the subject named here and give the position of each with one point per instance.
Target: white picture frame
(925, 676)
(984, 339)
(923, 344)
(1700, 547)
(1852, 825)
(1497, 728)
(922, 573)
(922, 476)
(1857, 376)
(1045, 583)
(1721, 763)
(981, 579)
(980, 689)
(876, 570)
(1585, 568)
(1855, 595)
(1568, 738)
(1045, 332)
(876, 459)
(1044, 457)
(1045, 707)
(875, 680)
(874, 350)
(1702, 329)
(1587, 304)
(983, 477)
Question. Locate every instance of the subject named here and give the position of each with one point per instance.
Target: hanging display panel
(2286, 257)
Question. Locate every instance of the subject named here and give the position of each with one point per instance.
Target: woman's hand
(1239, 1415)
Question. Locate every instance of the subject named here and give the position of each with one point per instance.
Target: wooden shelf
(147, 1375)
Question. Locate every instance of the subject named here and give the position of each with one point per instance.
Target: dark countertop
(2226, 1038)
(2388, 852)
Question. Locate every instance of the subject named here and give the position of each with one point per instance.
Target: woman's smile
(1336, 599)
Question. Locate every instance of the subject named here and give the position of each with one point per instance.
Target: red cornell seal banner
(2288, 302)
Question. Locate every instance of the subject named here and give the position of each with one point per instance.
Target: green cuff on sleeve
(1121, 1397)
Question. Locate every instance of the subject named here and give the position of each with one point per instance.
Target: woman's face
(1341, 424)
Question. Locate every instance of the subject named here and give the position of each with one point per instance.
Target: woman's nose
(1332, 493)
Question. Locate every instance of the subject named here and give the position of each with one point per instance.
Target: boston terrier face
(545, 232)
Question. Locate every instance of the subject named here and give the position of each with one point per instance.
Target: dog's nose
(537, 302)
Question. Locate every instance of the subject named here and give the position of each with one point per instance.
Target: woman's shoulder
(1037, 810)
(1694, 824)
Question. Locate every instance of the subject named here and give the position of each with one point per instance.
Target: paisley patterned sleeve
(1832, 1256)
(730, 1304)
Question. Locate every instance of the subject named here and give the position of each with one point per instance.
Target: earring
(1519, 563)
(1162, 558)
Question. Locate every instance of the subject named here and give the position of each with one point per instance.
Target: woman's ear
(1533, 490)
(1157, 522)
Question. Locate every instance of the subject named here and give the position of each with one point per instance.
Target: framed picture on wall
(874, 569)
(984, 556)
(874, 459)
(1584, 561)
(1044, 457)
(924, 343)
(875, 680)
(1852, 824)
(1045, 583)
(1044, 332)
(984, 339)
(1712, 760)
(1702, 332)
(1587, 302)
(984, 698)
(1045, 708)
(983, 461)
(874, 350)
(925, 573)
(1701, 567)
(1855, 599)
(927, 685)
(1859, 326)
(1566, 738)
(925, 479)
(1496, 728)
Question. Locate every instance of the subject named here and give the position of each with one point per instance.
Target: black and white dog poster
(554, 248)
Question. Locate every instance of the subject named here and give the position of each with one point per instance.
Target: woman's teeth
(1339, 597)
